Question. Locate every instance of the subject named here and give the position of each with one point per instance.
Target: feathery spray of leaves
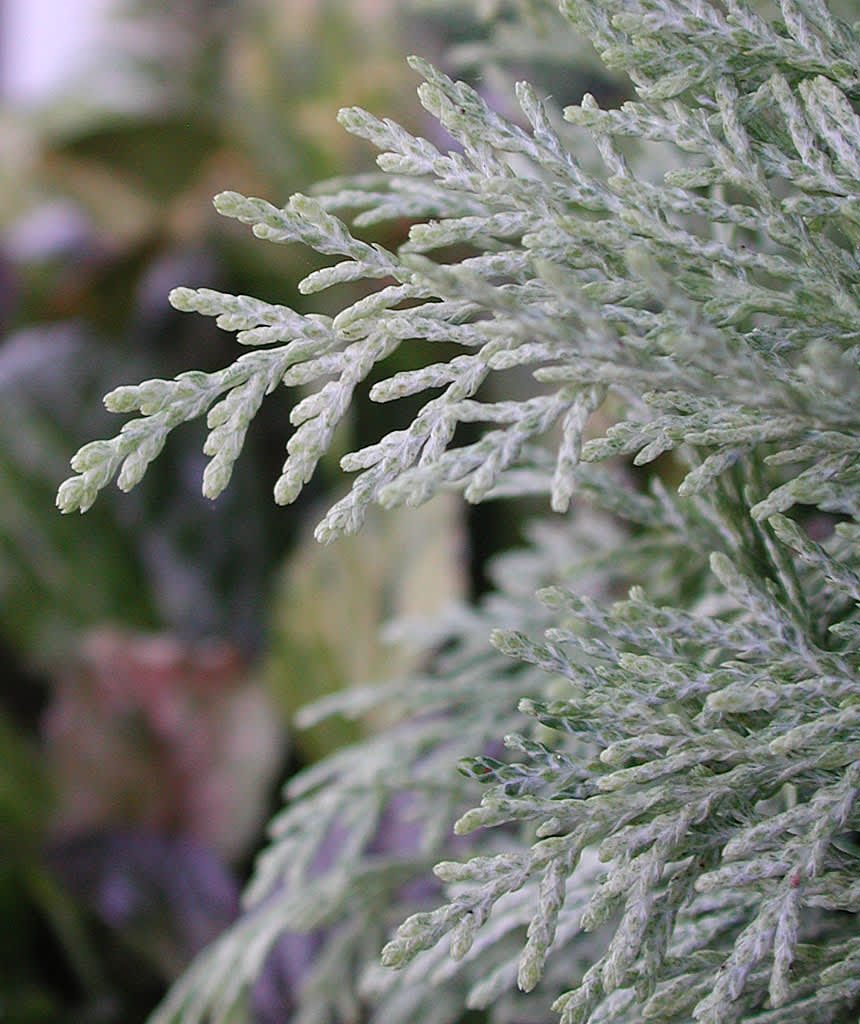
(671, 834)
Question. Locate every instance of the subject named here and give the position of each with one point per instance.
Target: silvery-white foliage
(657, 810)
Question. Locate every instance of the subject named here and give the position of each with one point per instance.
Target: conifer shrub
(655, 714)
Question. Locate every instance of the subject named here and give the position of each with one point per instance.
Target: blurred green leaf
(25, 793)
(333, 600)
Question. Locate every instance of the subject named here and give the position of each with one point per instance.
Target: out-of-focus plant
(103, 202)
(145, 731)
(332, 600)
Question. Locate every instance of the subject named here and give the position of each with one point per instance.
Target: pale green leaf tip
(286, 490)
(121, 399)
(720, 563)
(467, 823)
(528, 975)
(392, 956)
(227, 202)
(72, 496)
(181, 298)
(216, 477)
(348, 115)
(502, 641)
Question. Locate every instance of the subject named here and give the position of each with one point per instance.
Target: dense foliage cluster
(663, 737)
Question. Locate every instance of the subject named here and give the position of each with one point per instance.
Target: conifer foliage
(656, 812)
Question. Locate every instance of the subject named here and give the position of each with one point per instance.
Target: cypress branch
(670, 830)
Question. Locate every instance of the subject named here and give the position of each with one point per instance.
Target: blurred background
(152, 652)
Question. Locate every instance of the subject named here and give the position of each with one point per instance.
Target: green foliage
(669, 829)
(332, 599)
